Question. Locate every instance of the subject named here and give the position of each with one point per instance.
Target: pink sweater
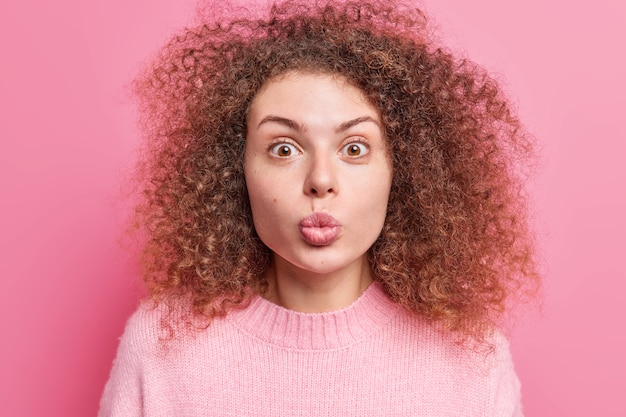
(369, 359)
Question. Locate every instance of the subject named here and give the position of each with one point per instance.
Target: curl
(455, 247)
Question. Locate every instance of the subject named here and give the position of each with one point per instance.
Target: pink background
(67, 137)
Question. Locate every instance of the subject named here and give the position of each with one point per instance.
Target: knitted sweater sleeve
(123, 392)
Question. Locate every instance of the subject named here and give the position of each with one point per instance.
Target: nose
(321, 177)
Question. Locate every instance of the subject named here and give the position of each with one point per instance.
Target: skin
(315, 145)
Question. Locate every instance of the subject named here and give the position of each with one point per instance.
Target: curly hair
(455, 246)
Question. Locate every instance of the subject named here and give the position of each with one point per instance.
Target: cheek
(258, 206)
(380, 184)
(267, 187)
(265, 199)
(254, 181)
(270, 214)
(256, 195)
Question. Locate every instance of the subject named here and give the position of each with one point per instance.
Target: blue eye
(283, 150)
(355, 149)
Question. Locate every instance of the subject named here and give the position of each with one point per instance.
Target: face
(317, 171)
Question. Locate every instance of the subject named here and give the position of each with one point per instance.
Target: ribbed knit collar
(290, 329)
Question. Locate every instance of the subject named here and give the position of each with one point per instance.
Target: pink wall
(67, 137)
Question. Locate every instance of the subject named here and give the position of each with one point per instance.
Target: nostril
(315, 191)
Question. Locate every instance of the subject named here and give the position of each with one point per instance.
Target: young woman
(332, 205)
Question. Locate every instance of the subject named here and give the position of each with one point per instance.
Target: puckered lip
(319, 219)
(320, 229)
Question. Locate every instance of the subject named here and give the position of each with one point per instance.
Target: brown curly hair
(455, 245)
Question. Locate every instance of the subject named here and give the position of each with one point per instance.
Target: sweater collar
(290, 329)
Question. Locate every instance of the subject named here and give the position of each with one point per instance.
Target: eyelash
(363, 145)
(275, 148)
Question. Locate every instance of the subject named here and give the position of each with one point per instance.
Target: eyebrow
(282, 121)
(350, 123)
(300, 128)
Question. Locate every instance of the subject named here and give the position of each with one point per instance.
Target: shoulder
(159, 334)
(142, 335)
(483, 372)
(146, 323)
(497, 356)
(506, 387)
(122, 394)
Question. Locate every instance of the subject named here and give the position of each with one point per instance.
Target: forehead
(299, 93)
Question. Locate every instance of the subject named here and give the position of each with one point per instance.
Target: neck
(310, 292)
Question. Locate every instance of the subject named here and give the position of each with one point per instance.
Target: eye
(283, 150)
(355, 149)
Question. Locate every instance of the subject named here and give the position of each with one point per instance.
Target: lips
(319, 229)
